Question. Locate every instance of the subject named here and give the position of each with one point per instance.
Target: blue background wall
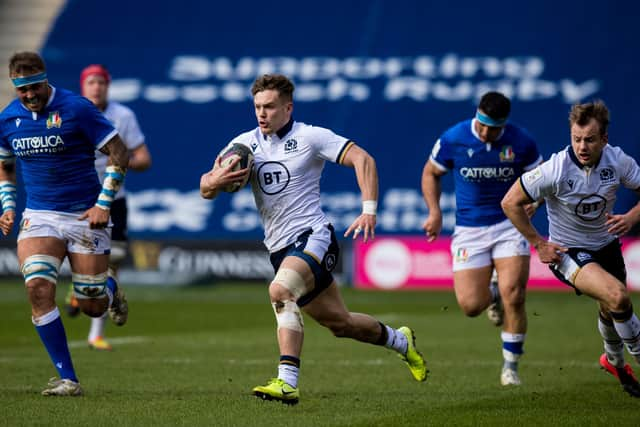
(545, 55)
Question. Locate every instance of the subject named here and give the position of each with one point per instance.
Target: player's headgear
(95, 69)
(493, 110)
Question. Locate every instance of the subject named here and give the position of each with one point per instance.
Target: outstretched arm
(367, 176)
(513, 205)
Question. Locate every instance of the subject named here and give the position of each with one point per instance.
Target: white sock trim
(45, 319)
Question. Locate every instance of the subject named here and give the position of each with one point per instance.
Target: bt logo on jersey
(273, 177)
(591, 207)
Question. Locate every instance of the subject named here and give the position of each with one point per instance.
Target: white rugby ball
(228, 155)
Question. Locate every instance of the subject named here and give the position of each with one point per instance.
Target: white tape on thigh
(86, 286)
(41, 266)
(292, 280)
(568, 268)
(288, 315)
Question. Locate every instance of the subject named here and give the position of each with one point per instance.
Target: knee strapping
(41, 266)
(292, 281)
(288, 315)
(87, 286)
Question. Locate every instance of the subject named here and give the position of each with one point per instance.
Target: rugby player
(486, 155)
(53, 134)
(285, 178)
(579, 185)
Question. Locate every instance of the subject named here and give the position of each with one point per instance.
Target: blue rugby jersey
(55, 150)
(483, 173)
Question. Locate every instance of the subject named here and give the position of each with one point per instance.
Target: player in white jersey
(94, 85)
(486, 155)
(288, 160)
(579, 185)
(53, 134)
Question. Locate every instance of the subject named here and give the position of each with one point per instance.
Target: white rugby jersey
(579, 197)
(286, 178)
(126, 123)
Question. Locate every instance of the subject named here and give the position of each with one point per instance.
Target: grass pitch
(191, 357)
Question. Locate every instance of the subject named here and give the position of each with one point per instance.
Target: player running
(289, 158)
(579, 185)
(53, 133)
(486, 155)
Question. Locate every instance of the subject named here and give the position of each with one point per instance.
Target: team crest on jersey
(507, 154)
(18, 121)
(54, 120)
(291, 146)
(461, 255)
(607, 175)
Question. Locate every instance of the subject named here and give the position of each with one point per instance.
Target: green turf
(191, 356)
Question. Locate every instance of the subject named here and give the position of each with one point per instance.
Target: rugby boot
(277, 389)
(413, 358)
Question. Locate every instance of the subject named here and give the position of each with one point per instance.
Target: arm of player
(622, 224)
(367, 176)
(98, 215)
(8, 194)
(431, 191)
(513, 204)
(139, 158)
(219, 177)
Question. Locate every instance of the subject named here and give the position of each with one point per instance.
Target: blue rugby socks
(54, 338)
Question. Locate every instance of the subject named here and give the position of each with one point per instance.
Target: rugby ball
(231, 152)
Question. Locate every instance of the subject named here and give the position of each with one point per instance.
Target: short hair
(581, 114)
(495, 105)
(278, 82)
(26, 64)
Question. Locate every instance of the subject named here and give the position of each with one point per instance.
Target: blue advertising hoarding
(390, 75)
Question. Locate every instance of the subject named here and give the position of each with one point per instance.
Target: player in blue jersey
(53, 134)
(486, 155)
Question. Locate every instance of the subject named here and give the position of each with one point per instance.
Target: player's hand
(618, 224)
(364, 224)
(98, 217)
(549, 252)
(6, 221)
(219, 177)
(432, 226)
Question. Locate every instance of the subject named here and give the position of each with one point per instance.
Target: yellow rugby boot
(413, 358)
(277, 389)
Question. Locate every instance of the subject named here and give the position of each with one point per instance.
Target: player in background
(94, 85)
(289, 158)
(579, 185)
(486, 155)
(54, 133)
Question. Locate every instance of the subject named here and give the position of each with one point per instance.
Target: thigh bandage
(86, 286)
(292, 281)
(41, 266)
(288, 315)
(568, 268)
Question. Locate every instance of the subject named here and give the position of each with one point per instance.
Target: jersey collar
(285, 129)
(575, 160)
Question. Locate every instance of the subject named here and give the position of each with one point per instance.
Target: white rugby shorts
(475, 247)
(77, 235)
